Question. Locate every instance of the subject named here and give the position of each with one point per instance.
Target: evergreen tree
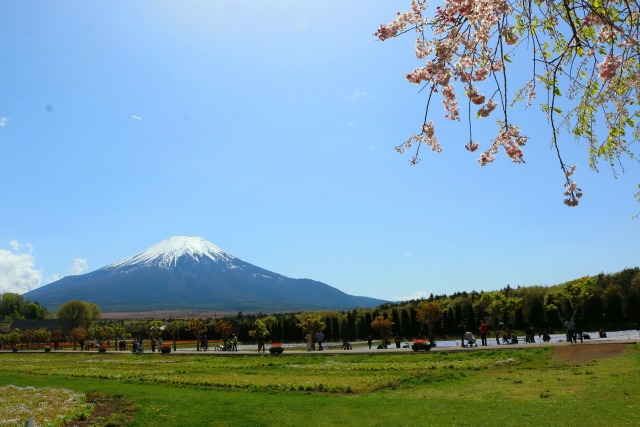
(451, 325)
(351, 326)
(632, 307)
(415, 325)
(472, 323)
(518, 322)
(593, 312)
(406, 324)
(397, 326)
(535, 315)
(335, 328)
(328, 332)
(457, 314)
(367, 324)
(613, 309)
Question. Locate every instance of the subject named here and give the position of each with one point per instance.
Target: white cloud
(355, 95)
(416, 295)
(407, 253)
(80, 265)
(136, 117)
(53, 278)
(17, 269)
(3, 121)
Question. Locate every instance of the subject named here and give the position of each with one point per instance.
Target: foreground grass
(492, 387)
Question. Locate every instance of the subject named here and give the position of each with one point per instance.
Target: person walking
(320, 339)
(461, 331)
(234, 342)
(578, 331)
(261, 342)
(530, 334)
(369, 341)
(570, 326)
(483, 332)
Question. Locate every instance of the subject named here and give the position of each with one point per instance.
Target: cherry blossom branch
(600, 63)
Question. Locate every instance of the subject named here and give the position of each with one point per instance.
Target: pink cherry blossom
(608, 66)
(472, 146)
(487, 109)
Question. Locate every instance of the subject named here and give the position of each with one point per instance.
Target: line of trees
(15, 306)
(29, 338)
(610, 301)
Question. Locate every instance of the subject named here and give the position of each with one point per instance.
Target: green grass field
(488, 387)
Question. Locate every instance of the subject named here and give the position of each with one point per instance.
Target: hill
(190, 273)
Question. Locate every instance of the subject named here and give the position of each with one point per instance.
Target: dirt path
(583, 353)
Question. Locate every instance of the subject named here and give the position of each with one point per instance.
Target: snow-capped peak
(166, 253)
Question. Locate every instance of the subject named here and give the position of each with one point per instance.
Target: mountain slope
(191, 273)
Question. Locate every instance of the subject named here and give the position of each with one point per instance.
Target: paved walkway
(359, 350)
(394, 350)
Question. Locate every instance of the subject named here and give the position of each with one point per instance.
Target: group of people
(464, 334)
(204, 343)
(574, 330)
(507, 338)
(572, 326)
(230, 344)
(136, 344)
(319, 336)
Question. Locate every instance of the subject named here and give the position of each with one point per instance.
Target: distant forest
(613, 303)
(609, 301)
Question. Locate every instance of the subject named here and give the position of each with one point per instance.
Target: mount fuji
(190, 273)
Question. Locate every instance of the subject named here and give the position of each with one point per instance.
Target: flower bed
(421, 345)
(276, 348)
(166, 349)
(48, 406)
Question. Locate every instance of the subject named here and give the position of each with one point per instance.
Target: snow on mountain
(167, 253)
(190, 273)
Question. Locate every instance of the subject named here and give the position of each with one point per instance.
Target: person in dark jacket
(320, 339)
(461, 331)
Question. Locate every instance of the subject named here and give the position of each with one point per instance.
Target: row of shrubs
(418, 345)
(166, 349)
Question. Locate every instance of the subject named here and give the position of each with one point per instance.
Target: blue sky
(268, 129)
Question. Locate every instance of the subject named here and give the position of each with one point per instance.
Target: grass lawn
(534, 386)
